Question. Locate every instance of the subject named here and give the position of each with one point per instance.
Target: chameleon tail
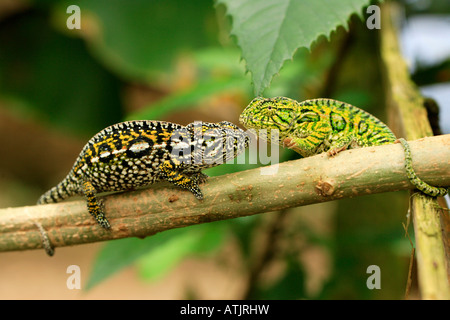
(58, 193)
(414, 179)
(55, 194)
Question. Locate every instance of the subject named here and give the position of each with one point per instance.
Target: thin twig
(411, 259)
(267, 254)
(406, 107)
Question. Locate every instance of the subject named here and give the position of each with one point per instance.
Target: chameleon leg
(305, 146)
(339, 145)
(414, 179)
(169, 172)
(199, 177)
(94, 205)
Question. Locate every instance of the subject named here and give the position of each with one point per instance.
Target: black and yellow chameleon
(133, 154)
(324, 125)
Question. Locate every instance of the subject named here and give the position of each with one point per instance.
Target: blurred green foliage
(54, 76)
(156, 255)
(140, 39)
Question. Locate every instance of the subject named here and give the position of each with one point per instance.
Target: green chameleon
(324, 125)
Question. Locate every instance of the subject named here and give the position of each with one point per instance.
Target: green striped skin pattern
(315, 126)
(134, 154)
(324, 125)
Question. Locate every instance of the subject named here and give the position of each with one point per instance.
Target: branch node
(325, 188)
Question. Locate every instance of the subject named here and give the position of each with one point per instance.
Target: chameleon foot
(335, 151)
(169, 172)
(414, 179)
(289, 143)
(94, 205)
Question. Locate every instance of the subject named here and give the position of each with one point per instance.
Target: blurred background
(174, 60)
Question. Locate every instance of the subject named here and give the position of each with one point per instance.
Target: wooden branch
(406, 108)
(296, 183)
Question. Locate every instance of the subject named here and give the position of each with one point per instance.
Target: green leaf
(118, 254)
(270, 31)
(164, 258)
(160, 251)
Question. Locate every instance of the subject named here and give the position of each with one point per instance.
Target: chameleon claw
(289, 143)
(333, 152)
(198, 194)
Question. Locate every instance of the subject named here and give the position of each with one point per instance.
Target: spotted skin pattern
(324, 125)
(134, 154)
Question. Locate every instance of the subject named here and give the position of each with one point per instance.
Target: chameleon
(321, 125)
(134, 154)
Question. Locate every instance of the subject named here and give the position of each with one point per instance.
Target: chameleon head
(269, 113)
(215, 143)
(234, 139)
